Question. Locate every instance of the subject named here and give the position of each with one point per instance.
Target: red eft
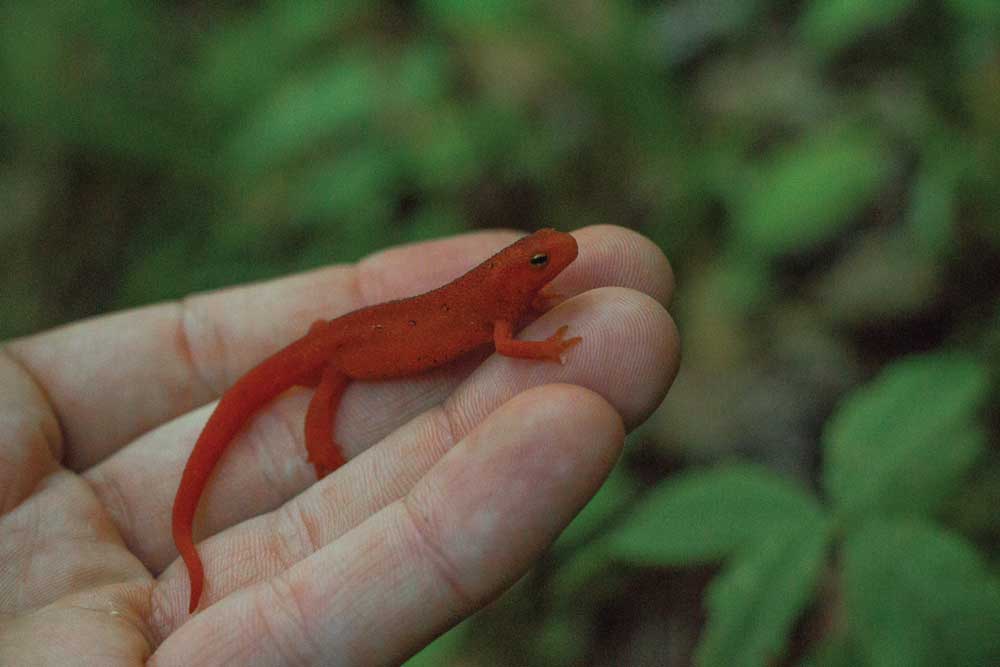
(388, 340)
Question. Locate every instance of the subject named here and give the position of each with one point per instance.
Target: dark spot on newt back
(413, 323)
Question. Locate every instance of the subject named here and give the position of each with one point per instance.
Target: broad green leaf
(807, 193)
(903, 442)
(753, 603)
(333, 98)
(932, 208)
(242, 59)
(918, 596)
(931, 214)
(357, 185)
(444, 152)
(425, 72)
(830, 25)
(584, 556)
(613, 495)
(706, 515)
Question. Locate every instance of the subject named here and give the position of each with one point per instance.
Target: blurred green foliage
(824, 175)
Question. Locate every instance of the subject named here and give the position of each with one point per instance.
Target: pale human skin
(458, 479)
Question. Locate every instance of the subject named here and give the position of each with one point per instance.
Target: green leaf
(830, 25)
(933, 206)
(902, 443)
(613, 495)
(336, 97)
(754, 602)
(241, 59)
(916, 595)
(931, 214)
(586, 556)
(807, 193)
(443, 153)
(357, 185)
(424, 74)
(706, 515)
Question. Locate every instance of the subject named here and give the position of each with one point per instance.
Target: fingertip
(612, 255)
(558, 435)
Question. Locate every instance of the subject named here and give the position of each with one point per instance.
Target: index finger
(112, 378)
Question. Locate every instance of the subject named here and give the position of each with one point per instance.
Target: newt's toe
(557, 344)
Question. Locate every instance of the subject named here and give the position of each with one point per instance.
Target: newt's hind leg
(325, 455)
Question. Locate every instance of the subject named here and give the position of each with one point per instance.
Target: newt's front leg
(325, 454)
(550, 349)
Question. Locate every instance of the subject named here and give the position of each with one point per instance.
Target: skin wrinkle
(39, 449)
(111, 498)
(449, 419)
(187, 322)
(137, 606)
(427, 540)
(307, 540)
(54, 436)
(159, 618)
(283, 597)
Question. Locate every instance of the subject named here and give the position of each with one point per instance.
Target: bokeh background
(821, 486)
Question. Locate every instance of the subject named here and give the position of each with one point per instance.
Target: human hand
(458, 479)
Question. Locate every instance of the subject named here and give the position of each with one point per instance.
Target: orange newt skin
(388, 340)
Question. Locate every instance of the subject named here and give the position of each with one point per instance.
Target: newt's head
(532, 262)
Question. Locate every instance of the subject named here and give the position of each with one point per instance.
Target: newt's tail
(226, 421)
(251, 392)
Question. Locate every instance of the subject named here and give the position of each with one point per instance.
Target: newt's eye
(540, 259)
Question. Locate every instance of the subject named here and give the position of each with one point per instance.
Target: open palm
(458, 479)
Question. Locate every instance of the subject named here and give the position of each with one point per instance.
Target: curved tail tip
(196, 573)
(195, 596)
